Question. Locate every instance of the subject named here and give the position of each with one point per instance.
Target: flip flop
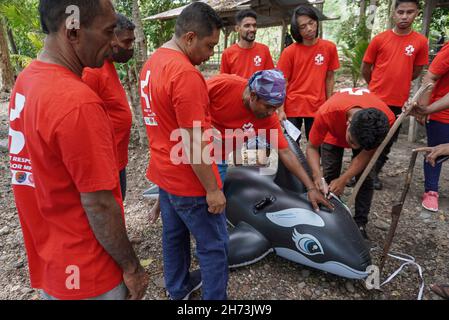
(441, 289)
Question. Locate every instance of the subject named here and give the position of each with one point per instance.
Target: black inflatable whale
(271, 213)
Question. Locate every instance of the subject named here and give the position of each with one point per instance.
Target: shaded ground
(421, 234)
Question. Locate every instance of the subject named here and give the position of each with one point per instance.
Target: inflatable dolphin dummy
(271, 213)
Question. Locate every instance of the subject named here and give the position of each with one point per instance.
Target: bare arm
(105, 218)
(435, 152)
(313, 159)
(330, 84)
(367, 71)
(356, 167)
(193, 143)
(428, 78)
(292, 163)
(417, 70)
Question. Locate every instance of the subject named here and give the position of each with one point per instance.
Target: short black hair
(369, 127)
(398, 2)
(248, 13)
(124, 24)
(199, 18)
(302, 11)
(53, 13)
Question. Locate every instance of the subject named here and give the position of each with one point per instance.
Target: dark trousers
(332, 161)
(122, 175)
(437, 133)
(383, 158)
(297, 122)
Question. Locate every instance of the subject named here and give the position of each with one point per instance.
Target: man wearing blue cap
(241, 107)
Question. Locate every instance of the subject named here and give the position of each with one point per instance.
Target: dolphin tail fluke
(247, 246)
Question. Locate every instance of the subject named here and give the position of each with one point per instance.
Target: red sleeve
(224, 68)
(190, 99)
(422, 58)
(371, 52)
(93, 80)
(334, 63)
(285, 64)
(319, 130)
(269, 60)
(85, 140)
(440, 65)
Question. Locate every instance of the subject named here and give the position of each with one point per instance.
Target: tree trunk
(390, 14)
(362, 13)
(6, 70)
(132, 88)
(372, 10)
(12, 42)
(141, 43)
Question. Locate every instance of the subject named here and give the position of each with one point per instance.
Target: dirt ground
(421, 234)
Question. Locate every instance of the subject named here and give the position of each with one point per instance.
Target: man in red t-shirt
(63, 163)
(175, 108)
(246, 56)
(247, 109)
(435, 107)
(308, 66)
(393, 59)
(351, 118)
(106, 83)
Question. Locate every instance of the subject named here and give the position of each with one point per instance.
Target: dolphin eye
(307, 244)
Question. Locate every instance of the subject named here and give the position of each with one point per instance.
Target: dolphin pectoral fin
(246, 246)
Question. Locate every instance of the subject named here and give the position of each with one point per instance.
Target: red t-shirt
(173, 96)
(440, 67)
(228, 112)
(330, 123)
(106, 83)
(305, 68)
(394, 57)
(61, 145)
(245, 62)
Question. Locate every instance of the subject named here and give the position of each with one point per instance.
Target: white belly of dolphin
(334, 267)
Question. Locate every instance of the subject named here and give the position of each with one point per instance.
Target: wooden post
(320, 7)
(226, 31)
(284, 34)
(427, 17)
(6, 68)
(390, 14)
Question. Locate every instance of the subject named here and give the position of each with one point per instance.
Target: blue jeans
(182, 216)
(222, 169)
(437, 133)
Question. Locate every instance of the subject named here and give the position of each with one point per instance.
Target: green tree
(25, 36)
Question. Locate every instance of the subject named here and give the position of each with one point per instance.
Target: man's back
(55, 120)
(174, 96)
(106, 83)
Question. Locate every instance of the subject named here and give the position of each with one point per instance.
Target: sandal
(441, 289)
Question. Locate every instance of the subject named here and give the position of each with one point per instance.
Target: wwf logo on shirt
(257, 61)
(319, 59)
(409, 50)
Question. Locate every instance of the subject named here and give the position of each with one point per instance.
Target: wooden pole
(284, 34)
